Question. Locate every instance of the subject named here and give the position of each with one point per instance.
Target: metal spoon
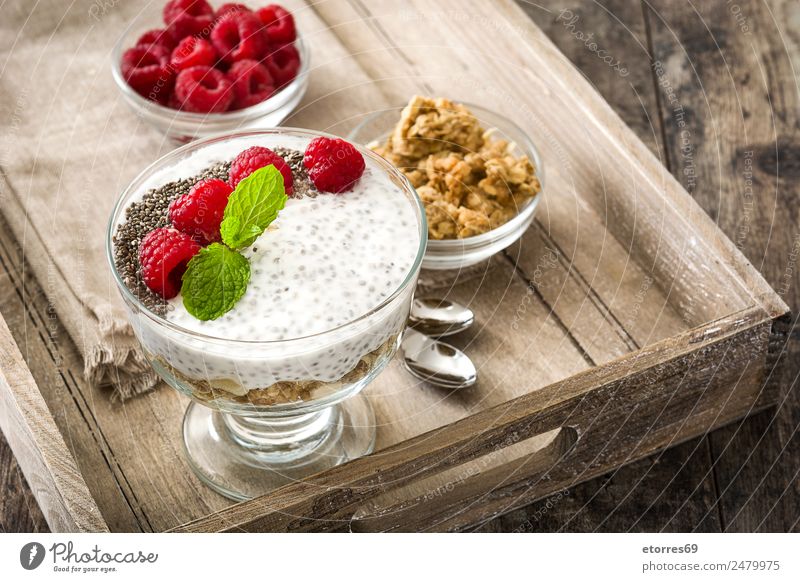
(437, 362)
(439, 317)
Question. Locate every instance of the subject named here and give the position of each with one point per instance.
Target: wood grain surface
(728, 480)
(33, 435)
(739, 92)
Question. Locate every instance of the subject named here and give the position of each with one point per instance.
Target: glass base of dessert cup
(243, 450)
(243, 457)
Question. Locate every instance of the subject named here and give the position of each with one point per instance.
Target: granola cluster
(469, 181)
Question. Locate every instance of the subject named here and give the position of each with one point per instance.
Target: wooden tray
(622, 323)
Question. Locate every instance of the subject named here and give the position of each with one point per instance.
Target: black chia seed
(152, 212)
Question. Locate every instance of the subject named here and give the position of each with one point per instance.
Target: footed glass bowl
(460, 253)
(265, 413)
(184, 126)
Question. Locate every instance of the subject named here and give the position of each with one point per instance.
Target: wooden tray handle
(327, 501)
(447, 495)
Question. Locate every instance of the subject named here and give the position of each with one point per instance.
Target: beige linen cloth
(69, 146)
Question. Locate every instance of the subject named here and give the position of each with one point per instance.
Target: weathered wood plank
(735, 85)
(585, 32)
(509, 364)
(671, 491)
(50, 471)
(19, 511)
(652, 493)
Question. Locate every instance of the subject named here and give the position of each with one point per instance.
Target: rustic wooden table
(722, 114)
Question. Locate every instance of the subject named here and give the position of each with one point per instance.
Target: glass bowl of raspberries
(196, 70)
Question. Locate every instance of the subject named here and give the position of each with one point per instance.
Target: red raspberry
(257, 157)
(238, 36)
(193, 52)
(156, 36)
(333, 165)
(283, 64)
(147, 71)
(203, 90)
(231, 7)
(279, 23)
(163, 255)
(188, 18)
(173, 102)
(252, 83)
(198, 213)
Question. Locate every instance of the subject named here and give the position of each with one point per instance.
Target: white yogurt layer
(324, 262)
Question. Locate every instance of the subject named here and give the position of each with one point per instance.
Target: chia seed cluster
(152, 212)
(302, 185)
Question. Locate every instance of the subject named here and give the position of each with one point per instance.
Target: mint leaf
(215, 279)
(217, 276)
(252, 207)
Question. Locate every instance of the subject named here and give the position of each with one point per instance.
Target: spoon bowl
(437, 362)
(439, 317)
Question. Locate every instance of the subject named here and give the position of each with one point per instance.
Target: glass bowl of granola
(478, 174)
(274, 342)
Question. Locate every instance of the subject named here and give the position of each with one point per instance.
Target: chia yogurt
(331, 285)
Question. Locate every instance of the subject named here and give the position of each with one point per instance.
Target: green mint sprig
(214, 281)
(217, 276)
(249, 211)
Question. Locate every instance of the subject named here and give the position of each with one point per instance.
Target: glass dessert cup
(461, 253)
(266, 413)
(184, 126)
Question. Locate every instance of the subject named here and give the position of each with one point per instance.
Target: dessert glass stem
(244, 456)
(285, 436)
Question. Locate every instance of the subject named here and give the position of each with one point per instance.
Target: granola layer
(280, 392)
